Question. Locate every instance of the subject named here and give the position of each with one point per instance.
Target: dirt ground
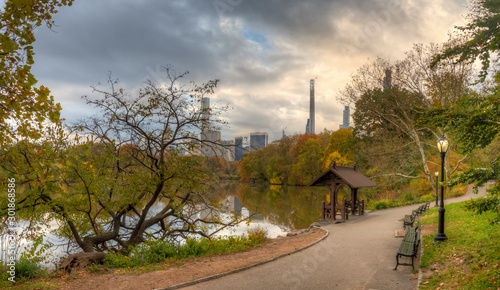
(192, 269)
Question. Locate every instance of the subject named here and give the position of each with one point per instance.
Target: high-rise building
(238, 148)
(308, 125)
(346, 115)
(211, 140)
(387, 79)
(311, 108)
(258, 140)
(205, 106)
(227, 150)
(211, 144)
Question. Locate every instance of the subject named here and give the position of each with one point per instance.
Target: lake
(276, 209)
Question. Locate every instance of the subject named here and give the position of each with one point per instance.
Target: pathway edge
(208, 278)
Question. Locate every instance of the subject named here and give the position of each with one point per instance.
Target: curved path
(358, 254)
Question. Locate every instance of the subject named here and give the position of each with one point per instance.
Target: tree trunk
(81, 260)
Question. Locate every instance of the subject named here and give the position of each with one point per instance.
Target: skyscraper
(346, 114)
(387, 79)
(238, 149)
(258, 140)
(311, 109)
(211, 146)
(205, 106)
(212, 139)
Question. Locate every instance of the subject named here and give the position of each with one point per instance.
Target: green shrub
(158, 251)
(193, 248)
(28, 269)
(381, 204)
(456, 191)
(428, 197)
(257, 235)
(117, 260)
(408, 196)
(153, 252)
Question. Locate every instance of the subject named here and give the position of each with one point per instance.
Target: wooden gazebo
(336, 177)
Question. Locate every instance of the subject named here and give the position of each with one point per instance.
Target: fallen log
(81, 260)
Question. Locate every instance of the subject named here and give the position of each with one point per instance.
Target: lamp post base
(440, 237)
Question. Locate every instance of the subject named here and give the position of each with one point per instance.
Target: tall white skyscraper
(312, 121)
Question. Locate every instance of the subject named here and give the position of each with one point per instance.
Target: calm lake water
(288, 208)
(277, 209)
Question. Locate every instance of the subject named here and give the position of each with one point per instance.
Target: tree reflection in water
(289, 207)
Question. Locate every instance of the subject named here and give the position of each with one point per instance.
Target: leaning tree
(127, 175)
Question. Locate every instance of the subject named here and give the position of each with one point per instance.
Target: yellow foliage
(339, 159)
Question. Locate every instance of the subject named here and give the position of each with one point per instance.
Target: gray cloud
(264, 52)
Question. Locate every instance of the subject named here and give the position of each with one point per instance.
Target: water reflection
(288, 208)
(277, 209)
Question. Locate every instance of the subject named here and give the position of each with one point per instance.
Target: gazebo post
(354, 198)
(333, 200)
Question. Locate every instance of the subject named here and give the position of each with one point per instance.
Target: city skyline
(263, 52)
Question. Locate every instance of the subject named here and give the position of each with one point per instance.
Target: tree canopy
(118, 179)
(482, 35)
(23, 106)
(475, 118)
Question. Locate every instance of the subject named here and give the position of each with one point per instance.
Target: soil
(195, 268)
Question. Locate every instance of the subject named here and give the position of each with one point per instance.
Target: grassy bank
(380, 198)
(469, 259)
(145, 257)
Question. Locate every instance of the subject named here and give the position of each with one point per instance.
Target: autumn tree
(339, 148)
(120, 181)
(475, 118)
(386, 97)
(24, 107)
(308, 162)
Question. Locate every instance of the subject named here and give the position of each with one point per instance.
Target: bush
(153, 252)
(257, 235)
(408, 196)
(381, 204)
(158, 251)
(457, 191)
(428, 197)
(117, 260)
(28, 269)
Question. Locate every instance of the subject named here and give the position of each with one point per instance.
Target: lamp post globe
(442, 145)
(436, 174)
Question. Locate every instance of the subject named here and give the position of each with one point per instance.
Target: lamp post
(436, 174)
(442, 145)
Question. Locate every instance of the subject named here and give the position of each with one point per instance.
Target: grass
(145, 258)
(389, 199)
(469, 259)
(160, 251)
(24, 270)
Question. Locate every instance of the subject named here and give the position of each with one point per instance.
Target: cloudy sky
(263, 51)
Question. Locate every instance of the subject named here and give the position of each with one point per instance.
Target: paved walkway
(358, 254)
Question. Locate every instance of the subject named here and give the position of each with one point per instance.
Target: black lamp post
(436, 174)
(442, 145)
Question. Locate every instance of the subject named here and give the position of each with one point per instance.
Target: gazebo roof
(343, 174)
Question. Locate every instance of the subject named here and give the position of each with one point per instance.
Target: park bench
(423, 208)
(409, 219)
(409, 246)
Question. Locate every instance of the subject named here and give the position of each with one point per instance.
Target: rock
(317, 225)
(302, 231)
(325, 222)
(291, 234)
